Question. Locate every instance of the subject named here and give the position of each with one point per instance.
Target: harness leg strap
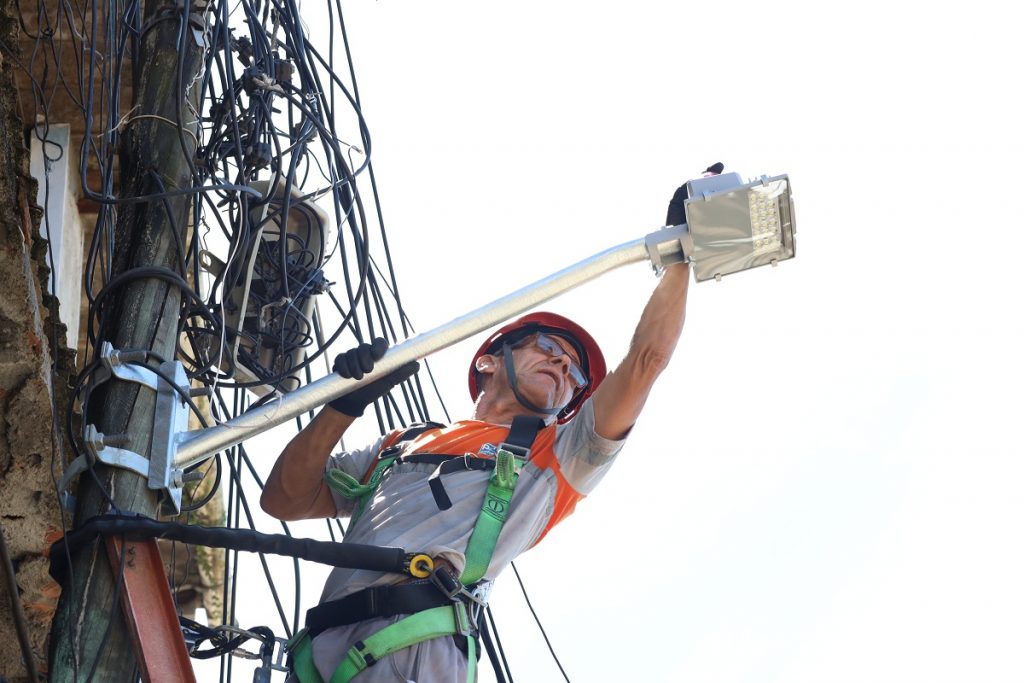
(300, 649)
(416, 628)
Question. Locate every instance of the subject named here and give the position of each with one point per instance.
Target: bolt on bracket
(170, 418)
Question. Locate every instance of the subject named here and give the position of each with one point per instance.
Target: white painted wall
(51, 166)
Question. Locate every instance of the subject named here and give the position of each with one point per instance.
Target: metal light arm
(661, 247)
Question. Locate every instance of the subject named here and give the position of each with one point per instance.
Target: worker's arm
(621, 397)
(296, 488)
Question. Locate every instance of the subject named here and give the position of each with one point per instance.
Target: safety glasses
(549, 347)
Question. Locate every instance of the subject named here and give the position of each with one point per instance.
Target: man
(540, 389)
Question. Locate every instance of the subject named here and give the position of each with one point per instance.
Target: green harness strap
(498, 499)
(439, 621)
(492, 516)
(349, 487)
(416, 628)
(447, 620)
(432, 623)
(300, 649)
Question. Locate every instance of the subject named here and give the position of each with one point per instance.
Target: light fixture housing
(736, 226)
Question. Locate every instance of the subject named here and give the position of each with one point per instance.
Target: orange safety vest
(475, 438)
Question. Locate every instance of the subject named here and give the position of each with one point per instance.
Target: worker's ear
(486, 364)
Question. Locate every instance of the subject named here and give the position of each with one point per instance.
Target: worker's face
(548, 370)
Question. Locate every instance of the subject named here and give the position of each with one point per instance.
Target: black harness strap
(510, 373)
(520, 439)
(523, 433)
(414, 430)
(372, 603)
(433, 458)
(407, 436)
(466, 462)
(408, 599)
(381, 602)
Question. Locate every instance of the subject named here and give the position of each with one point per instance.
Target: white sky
(826, 483)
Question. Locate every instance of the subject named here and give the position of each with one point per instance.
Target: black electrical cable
(214, 487)
(539, 625)
(76, 390)
(244, 506)
(492, 655)
(296, 614)
(17, 611)
(497, 641)
(230, 565)
(352, 555)
(240, 112)
(196, 634)
(181, 391)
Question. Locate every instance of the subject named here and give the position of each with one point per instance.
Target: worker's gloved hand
(355, 363)
(677, 208)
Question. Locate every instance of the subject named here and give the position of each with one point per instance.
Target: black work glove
(355, 363)
(677, 207)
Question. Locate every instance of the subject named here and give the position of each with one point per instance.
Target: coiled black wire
(259, 129)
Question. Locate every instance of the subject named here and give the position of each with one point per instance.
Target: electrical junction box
(269, 290)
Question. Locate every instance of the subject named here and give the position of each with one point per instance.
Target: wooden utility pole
(89, 635)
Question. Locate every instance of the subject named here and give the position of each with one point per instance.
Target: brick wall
(30, 445)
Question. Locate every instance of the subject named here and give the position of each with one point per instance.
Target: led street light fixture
(735, 226)
(731, 226)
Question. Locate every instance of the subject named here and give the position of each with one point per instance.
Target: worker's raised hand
(677, 207)
(354, 364)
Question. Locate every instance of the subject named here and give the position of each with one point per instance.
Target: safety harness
(443, 605)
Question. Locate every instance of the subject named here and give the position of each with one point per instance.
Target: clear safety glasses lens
(554, 349)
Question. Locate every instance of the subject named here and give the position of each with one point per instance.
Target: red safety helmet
(591, 358)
